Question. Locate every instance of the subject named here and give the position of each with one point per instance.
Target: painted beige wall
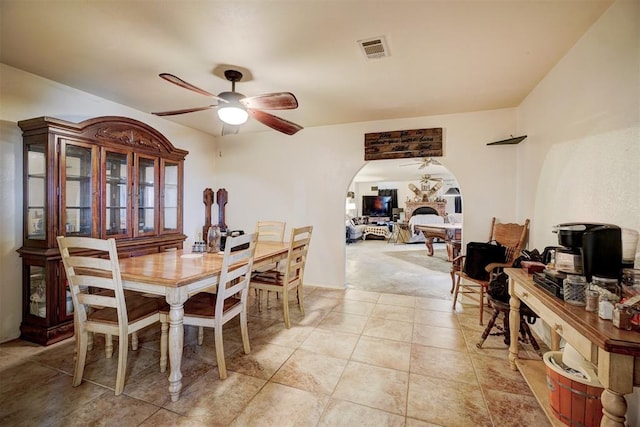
(26, 96)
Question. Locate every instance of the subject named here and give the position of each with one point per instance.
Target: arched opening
(397, 260)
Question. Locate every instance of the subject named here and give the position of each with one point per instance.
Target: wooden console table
(615, 352)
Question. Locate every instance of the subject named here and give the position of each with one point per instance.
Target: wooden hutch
(104, 177)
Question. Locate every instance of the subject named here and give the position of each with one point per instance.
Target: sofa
(355, 228)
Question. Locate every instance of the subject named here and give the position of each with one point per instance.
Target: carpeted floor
(378, 266)
(437, 262)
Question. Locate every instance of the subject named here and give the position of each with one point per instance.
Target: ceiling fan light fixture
(233, 113)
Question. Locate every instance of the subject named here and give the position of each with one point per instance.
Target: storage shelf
(535, 374)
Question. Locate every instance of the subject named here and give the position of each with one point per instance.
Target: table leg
(514, 328)
(614, 408)
(429, 243)
(176, 300)
(616, 374)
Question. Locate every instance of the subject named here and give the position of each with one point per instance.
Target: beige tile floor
(358, 357)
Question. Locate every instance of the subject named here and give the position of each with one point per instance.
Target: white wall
(25, 96)
(581, 161)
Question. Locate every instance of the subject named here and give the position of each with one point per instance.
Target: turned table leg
(614, 408)
(176, 299)
(514, 328)
(616, 373)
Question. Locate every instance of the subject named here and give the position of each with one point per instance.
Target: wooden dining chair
(207, 310)
(291, 278)
(99, 301)
(269, 231)
(513, 237)
(272, 231)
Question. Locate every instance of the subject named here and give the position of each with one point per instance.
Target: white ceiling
(445, 56)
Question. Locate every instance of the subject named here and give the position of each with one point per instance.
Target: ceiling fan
(424, 162)
(234, 108)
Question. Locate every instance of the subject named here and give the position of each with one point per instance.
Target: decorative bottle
(213, 239)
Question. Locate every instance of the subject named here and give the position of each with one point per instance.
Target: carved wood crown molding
(108, 130)
(133, 137)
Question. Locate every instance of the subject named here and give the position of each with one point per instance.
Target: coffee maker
(589, 249)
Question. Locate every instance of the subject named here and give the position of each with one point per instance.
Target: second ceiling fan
(234, 108)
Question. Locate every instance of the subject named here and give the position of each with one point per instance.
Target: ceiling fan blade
(271, 101)
(186, 110)
(274, 122)
(179, 82)
(229, 129)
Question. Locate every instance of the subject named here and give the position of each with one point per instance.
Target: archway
(385, 265)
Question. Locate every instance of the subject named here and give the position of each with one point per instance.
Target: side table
(399, 233)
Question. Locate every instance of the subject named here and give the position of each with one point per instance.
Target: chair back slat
(236, 270)
(88, 274)
(96, 300)
(272, 231)
(512, 236)
(95, 282)
(297, 256)
(90, 263)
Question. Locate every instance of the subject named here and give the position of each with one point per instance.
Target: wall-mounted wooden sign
(402, 144)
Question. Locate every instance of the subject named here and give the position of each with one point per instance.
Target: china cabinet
(104, 177)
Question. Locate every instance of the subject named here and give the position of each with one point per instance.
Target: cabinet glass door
(171, 197)
(78, 182)
(36, 191)
(147, 194)
(37, 286)
(116, 194)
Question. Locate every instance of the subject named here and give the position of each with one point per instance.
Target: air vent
(374, 48)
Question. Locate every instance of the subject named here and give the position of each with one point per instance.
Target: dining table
(177, 275)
